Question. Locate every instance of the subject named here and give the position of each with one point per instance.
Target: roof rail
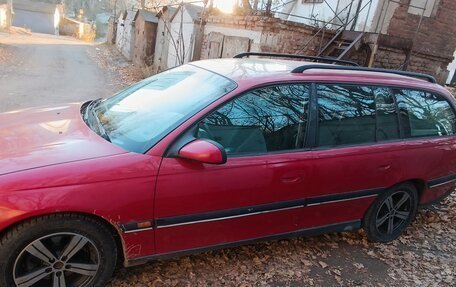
(303, 68)
(278, 55)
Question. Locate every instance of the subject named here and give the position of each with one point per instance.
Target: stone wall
(266, 34)
(77, 29)
(433, 46)
(5, 16)
(436, 35)
(432, 50)
(393, 58)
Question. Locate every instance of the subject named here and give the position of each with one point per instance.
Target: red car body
(52, 162)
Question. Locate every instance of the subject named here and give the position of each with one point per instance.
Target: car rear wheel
(391, 213)
(57, 250)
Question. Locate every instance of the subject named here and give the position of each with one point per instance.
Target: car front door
(258, 192)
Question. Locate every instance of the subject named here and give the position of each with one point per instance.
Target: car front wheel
(57, 250)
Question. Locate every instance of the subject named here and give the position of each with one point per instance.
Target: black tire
(84, 240)
(384, 224)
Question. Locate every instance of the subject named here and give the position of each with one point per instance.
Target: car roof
(257, 71)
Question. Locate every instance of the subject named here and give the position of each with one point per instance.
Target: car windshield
(141, 115)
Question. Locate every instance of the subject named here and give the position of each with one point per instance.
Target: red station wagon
(218, 153)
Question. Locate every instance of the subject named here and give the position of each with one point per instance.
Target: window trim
(184, 135)
(318, 122)
(433, 93)
(391, 88)
(311, 135)
(169, 131)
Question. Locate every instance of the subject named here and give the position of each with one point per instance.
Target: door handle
(384, 167)
(289, 180)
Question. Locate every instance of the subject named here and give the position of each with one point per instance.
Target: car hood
(45, 136)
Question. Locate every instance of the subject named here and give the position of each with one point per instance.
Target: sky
(225, 5)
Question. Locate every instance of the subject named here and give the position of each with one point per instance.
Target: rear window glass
(346, 115)
(423, 114)
(387, 119)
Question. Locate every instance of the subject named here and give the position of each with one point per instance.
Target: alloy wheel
(394, 212)
(58, 260)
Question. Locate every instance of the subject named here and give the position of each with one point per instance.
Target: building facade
(414, 35)
(6, 14)
(39, 17)
(145, 37)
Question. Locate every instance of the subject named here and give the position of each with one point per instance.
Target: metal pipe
(384, 17)
(335, 13)
(358, 7)
(304, 17)
(349, 12)
(379, 16)
(409, 54)
(367, 16)
(324, 26)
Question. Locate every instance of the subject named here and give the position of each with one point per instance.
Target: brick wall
(267, 34)
(435, 41)
(432, 52)
(437, 33)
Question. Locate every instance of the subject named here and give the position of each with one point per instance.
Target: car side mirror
(203, 150)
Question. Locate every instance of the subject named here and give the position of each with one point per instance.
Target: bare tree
(174, 33)
(255, 5)
(268, 6)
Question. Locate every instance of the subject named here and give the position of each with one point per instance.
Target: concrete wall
(5, 16)
(112, 31)
(274, 35)
(35, 21)
(185, 34)
(162, 44)
(146, 33)
(265, 34)
(77, 29)
(125, 35)
(435, 40)
(436, 35)
(452, 69)
(70, 27)
(327, 12)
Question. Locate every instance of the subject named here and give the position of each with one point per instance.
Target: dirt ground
(424, 256)
(39, 70)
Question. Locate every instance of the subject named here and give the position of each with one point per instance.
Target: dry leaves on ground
(424, 256)
(6, 54)
(112, 61)
(452, 90)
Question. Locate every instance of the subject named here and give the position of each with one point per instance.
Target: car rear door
(357, 150)
(428, 128)
(258, 192)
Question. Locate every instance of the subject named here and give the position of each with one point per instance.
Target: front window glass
(137, 118)
(424, 114)
(264, 120)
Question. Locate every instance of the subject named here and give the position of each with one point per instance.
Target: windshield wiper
(91, 109)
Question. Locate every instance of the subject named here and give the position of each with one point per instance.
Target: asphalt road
(38, 69)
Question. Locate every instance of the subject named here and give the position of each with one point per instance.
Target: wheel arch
(419, 184)
(112, 228)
